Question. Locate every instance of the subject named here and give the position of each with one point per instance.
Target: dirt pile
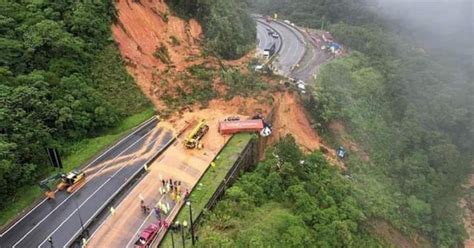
(159, 48)
(154, 43)
(290, 118)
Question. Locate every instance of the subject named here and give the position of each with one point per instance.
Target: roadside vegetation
(228, 28)
(63, 84)
(208, 184)
(288, 200)
(409, 108)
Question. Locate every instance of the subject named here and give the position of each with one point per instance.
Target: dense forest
(408, 105)
(63, 80)
(289, 200)
(61, 76)
(229, 29)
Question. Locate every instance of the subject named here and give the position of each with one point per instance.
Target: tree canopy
(289, 200)
(55, 88)
(409, 106)
(229, 29)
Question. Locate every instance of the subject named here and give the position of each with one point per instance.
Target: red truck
(232, 127)
(147, 236)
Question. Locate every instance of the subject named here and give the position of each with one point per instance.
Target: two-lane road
(62, 218)
(292, 47)
(298, 57)
(264, 39)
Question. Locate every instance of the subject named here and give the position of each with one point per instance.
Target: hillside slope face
(144, 27)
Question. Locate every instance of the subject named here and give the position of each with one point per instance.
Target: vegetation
(209, 183)
(162, 54)
(62, 81)
(198, 86)
(289, 200)
(241, 84)
(80, 153)
(411, 111)
(229, 30)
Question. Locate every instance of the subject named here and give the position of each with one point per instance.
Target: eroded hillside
(155, 44)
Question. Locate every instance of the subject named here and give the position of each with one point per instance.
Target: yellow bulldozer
(193, 140)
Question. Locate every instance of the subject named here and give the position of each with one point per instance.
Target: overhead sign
(54, 158)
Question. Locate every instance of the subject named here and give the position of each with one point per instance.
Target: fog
(445, 27)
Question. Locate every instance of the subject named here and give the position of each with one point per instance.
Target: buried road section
(181, 165)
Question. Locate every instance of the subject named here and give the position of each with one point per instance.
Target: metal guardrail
(139, 172)
(292, 29)
(230, 176)
(281, 41)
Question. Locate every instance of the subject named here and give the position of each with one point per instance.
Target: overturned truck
(244, 126)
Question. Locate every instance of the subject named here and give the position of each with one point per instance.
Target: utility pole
(50, 240)
(191, 220)
(84, 232)
(184, 225)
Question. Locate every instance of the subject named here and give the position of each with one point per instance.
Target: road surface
(177, 163)
(292, 46)
(61, 218)
(296, 49)
(264, 39)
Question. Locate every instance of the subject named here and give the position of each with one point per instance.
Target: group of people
(169, 187)
(173, 188)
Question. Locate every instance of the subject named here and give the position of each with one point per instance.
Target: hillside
(62, 81)
(402, 107)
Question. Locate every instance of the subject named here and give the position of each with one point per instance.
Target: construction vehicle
(193, 140)
(72, 180)
(68, 182)
(46, 184)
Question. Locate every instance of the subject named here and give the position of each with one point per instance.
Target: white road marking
(120, 141)
(143, 223)
(65, 200)
(113, 195)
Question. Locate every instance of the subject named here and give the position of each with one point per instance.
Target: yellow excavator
(68, 182)
(72, 180)
(193, 140)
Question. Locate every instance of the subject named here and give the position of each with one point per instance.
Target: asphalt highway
(298, 57)
(63, 217)
(264, 39)
(292, 46)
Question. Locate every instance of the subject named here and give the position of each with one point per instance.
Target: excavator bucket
(50, 194)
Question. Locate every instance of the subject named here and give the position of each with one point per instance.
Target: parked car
(147, 236)
(275, 35)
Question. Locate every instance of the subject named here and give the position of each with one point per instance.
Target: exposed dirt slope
(290, 118)
(143, 27)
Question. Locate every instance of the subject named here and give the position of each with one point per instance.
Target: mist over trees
(405, 93)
